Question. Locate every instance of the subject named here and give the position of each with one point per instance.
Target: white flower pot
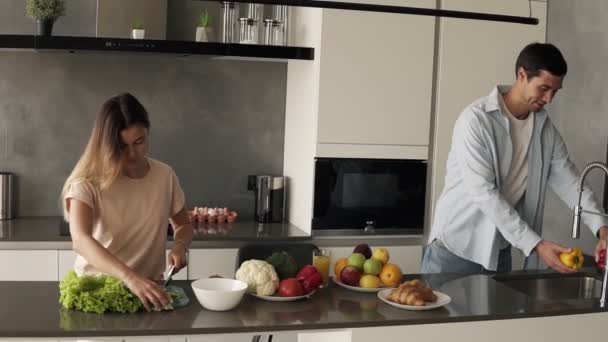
(202, 34)
(138, 34)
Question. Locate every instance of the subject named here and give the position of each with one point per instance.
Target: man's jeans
(438, 259)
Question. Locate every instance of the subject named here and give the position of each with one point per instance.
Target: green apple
(356, 260)
(372, 266)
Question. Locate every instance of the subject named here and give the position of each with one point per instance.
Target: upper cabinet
(474, 56)
(375, 84)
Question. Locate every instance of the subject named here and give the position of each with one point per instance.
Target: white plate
(442, 299)
(281, 299)
(359, 289)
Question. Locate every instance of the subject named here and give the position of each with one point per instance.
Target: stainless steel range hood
(115, 18)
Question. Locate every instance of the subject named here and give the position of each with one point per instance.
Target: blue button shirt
(471, 213)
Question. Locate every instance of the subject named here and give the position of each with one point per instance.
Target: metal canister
(6, 195)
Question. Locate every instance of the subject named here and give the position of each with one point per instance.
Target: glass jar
(273, 32)
(281, 13)
(229, 14)
(248, 31)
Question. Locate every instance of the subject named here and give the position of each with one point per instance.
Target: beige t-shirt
(130, 218)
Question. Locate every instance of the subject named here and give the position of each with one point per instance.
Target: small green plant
(44, 9)
(138, 24)
(203, 19)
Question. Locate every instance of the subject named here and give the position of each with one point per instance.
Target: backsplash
(214, 121)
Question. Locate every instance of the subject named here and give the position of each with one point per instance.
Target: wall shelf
(145, 46)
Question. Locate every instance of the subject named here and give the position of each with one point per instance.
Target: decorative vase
(45, 26)
(138, 33)
(202, 34)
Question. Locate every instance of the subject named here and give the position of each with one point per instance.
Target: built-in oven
(381, 196)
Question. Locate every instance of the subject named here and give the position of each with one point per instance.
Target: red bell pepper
(310, 278)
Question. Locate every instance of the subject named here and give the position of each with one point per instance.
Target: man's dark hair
(538, 56)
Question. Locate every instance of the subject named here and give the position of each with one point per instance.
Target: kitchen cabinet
(473, 56)
(66, 260)
(206, 262)
(375, 84)
(408, 258)
(127, 339)
(28, 265)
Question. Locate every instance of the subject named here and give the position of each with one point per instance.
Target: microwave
(381, 196)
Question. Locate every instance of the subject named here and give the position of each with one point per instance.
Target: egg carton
(211, 215)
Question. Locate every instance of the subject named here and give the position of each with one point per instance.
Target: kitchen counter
(33, 233)
(475, 298)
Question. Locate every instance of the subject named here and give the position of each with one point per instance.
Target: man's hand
(601, 242)
(549, 252)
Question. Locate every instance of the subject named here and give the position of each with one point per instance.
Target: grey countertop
(44, 233)
(474, 298)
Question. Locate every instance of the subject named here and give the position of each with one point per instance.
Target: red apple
(350, 275)
(290, 287)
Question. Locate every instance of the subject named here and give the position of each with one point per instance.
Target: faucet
(578, 210)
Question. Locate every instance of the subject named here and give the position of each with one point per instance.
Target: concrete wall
(580, 110)
(215, 121)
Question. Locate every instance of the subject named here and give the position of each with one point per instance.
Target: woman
(118, 202)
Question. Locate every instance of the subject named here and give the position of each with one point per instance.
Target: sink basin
(554, 286)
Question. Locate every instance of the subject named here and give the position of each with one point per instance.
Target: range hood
(113, 20)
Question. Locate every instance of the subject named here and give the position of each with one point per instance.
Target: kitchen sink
(554, 286)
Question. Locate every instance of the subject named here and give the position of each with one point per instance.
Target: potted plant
(203, 31)
(45, 12)
(138, 31)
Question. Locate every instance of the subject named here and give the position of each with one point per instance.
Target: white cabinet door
(207, 262)
(29, 340)
(376, 77)
(93, 339)
(408, 258)
(474, 56)
(155, 339)
(28, 265)
(245, 337)
(67, 258)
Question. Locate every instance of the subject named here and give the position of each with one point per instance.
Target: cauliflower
(260, 277)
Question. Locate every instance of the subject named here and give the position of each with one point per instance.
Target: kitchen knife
(167, 276)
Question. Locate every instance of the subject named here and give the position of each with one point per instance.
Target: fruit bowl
(358, 288)
(219, 294)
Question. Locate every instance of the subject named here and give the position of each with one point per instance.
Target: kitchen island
(483, 307)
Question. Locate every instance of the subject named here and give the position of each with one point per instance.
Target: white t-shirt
(130, 218)
(514, 185)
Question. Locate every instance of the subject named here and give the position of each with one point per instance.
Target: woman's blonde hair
(100, 163)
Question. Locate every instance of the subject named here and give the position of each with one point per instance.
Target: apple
(350, 275)
(290, 287)
(372, 266)
(364, 249)
(381, 254)
(356, 260)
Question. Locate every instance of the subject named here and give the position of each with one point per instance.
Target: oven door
(352, 194)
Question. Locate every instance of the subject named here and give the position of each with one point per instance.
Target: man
(505, 153)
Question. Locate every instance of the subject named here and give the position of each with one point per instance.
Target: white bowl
(219, 294)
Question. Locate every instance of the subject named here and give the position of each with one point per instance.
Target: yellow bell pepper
(574, 259)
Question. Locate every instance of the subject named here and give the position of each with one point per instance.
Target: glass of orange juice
(321, 259)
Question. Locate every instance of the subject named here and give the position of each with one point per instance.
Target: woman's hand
(148, 291)
(177, 256)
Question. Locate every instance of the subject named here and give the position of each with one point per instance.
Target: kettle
(269, 194)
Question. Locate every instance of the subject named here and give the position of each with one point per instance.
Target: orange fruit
(390, 275)
(339, 266)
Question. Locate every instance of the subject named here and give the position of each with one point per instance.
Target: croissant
(413, 292)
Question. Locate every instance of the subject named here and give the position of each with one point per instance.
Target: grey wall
(215, 121)
(580, 110)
